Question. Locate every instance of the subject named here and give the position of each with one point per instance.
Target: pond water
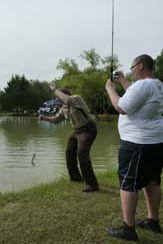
(23, 137)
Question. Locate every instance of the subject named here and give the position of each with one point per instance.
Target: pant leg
(85, 141)
(71, 159)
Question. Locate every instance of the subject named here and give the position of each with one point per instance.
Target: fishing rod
(112, 46)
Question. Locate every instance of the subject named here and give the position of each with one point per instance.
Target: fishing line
(112, 46)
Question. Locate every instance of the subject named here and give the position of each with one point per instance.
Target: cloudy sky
(35, 34)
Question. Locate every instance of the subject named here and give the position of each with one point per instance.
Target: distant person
(141, 152)
(79, 143)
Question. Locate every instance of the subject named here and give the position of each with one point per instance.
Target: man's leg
(152, 195)
(152, 192)
(127, 230)
(85, 141)
(71, 159)
(128, 165)
(129, 202)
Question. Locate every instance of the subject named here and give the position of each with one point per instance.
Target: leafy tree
(107, 62)
(159, 66)
(21, 94)
(92, 58)
(4, 101)
(69, 67)
(37, 94)
(90, 86)
(90, 83)
(16, 92)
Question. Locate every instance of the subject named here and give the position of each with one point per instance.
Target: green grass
(105, 117)
(59, 213)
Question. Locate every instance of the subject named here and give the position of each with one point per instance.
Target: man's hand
(40, 117)
(121, 76)
(122, 79)
(110, 85)
(52, 87)
(114, 97)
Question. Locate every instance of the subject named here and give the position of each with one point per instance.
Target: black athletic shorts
(139, 165)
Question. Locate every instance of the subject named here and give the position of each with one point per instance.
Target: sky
(35, 34)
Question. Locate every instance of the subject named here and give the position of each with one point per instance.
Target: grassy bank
(59, 213)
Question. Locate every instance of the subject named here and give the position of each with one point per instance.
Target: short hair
(146, 60)
(65, 91)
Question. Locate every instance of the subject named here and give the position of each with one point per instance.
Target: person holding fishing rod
(141, 149)
(79, 143)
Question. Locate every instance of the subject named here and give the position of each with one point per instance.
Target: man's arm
(114, 97)
(53, 119)
(63, 97)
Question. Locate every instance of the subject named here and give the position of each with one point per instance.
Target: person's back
(79, 112)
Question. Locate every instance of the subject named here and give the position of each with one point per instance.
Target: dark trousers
(78, 148)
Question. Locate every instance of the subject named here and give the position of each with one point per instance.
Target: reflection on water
(21, 138)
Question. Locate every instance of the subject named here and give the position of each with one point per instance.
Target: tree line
(23, 94)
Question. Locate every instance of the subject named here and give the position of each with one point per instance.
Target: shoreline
(60, 213)
(104, 117)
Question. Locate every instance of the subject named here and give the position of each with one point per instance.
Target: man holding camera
(141, 152)
(79, 143)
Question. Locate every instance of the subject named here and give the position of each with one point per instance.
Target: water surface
(22, 137)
